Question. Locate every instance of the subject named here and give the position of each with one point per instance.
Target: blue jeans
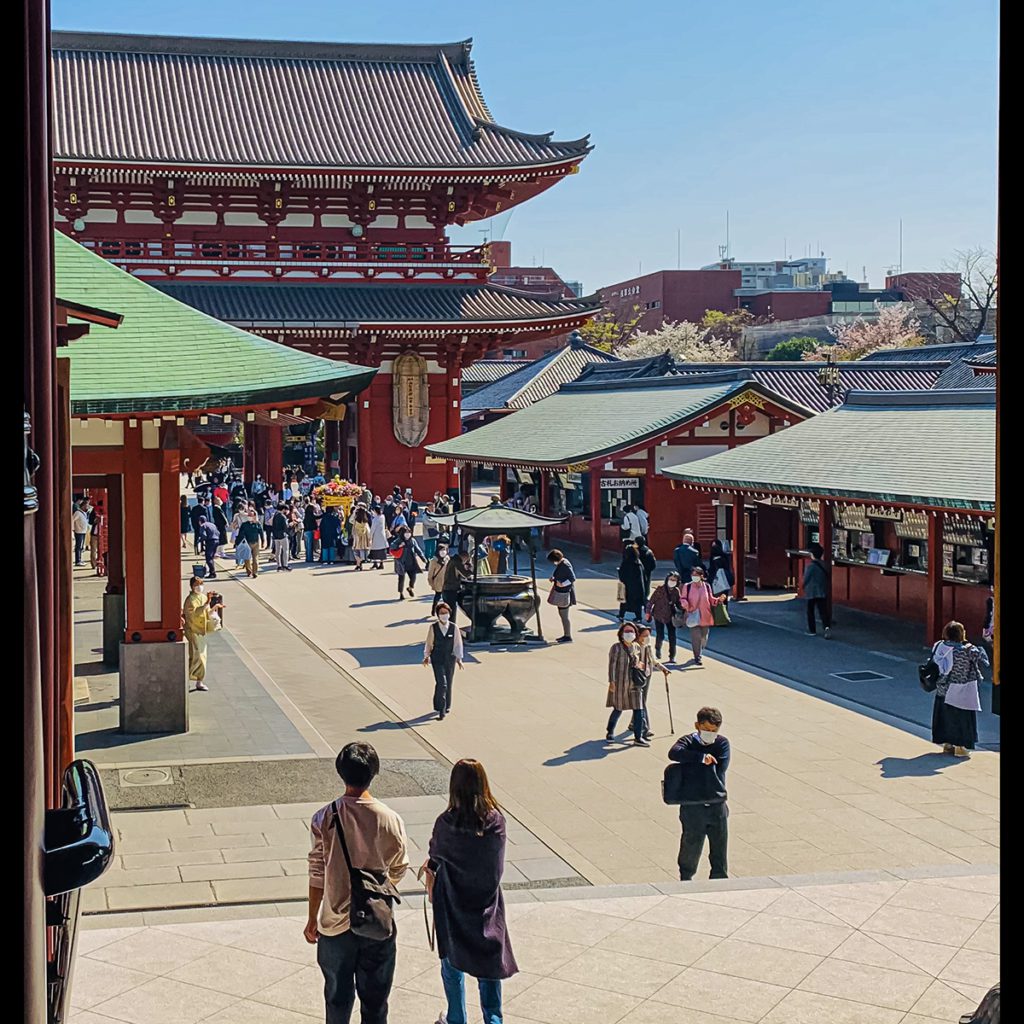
(309, 545)
(638, 722)
(328, 554)
(455, 991)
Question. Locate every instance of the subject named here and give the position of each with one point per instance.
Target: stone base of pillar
(154, 687)
(113, 627)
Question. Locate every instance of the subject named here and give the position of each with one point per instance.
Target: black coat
(636, 582)
(650, 564)
(221, 522)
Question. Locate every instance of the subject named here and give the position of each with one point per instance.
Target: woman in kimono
(463, 878)
(200, 619)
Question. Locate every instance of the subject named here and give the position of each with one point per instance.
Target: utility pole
(899, 266)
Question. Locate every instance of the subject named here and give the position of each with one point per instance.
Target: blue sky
(816, 126)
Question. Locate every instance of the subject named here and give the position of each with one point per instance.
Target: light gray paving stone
(246, 869)
(251, 853)
(154, 897)
(138, 861)
(251, 890)
(212, 842)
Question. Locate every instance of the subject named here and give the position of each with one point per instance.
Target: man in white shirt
(643, 518)
(80, 528)
(375, 837)
(632, 523)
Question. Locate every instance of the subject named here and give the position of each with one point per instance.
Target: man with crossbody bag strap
(358, 857)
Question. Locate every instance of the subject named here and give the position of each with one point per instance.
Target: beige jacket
(375, 835)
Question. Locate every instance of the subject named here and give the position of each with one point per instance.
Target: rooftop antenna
(900, 264)
(727, 250)
(679, 248)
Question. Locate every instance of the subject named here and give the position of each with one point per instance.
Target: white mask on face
(672, 584)
(707, 736)
(443, 619)
(629, 637)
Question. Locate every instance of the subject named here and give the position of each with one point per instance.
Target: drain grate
(145, 777)
(863, 676)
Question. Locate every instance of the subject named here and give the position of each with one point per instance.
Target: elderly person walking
(957, 701)
(625, 684)
(698, 602)
(463, 878)
(200, 618)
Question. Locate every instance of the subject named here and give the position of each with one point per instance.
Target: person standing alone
(816, 587)
(80, 528)
(279, 535)
(703, 757)
(443, 651)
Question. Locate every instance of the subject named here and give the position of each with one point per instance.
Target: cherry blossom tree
(894, 327)
(683, 340)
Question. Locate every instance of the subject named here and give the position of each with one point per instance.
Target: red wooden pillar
(132, 513)
(545, 493)
(739, 546)
(332, 448)
(248, 455)
(502, 483)
(825, 540)
(453, 403)
(115, 536)
(595, 514)
(275, 455)
(466, 485)
(170, 553)
(934, 622)
(364, 451)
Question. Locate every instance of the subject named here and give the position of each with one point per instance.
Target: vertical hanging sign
(411, 399)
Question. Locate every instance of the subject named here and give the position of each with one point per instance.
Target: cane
(668, 700)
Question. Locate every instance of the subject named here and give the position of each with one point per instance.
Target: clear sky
(815, 125)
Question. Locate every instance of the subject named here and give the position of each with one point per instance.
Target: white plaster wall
(678, 454)
(151, 547)
(96, 433)
(150, 434)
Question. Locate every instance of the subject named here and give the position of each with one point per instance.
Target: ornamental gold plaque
(410, 399)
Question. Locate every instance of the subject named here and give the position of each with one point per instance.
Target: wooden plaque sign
(411, 401)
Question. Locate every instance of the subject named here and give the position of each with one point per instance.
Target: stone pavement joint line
(846, 948)
(200, 857)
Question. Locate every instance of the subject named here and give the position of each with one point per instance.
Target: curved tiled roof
(938, 451)
(486, 371)
(255, 103)
(274, 303)
(536, 380)
(166, 357)
(580, 421)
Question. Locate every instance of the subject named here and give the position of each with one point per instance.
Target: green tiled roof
(586, 421)
(497, 519)
(168, 357)
(930, 448)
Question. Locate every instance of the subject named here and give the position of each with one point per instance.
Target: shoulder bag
(373, 896)
(559, 598)
(928, 674)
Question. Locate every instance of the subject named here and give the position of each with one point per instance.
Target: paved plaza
(899, 947)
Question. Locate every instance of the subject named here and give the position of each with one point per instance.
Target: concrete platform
(893, 947)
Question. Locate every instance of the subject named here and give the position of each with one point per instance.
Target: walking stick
(668, 700)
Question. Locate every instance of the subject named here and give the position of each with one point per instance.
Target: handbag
(721, 583)
(559, 598)
(672, 784)
(373, 895)
(620, 592)
(242, 552)
(928, 674)
(720, 613)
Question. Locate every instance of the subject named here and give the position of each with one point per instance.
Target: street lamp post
(828, 378)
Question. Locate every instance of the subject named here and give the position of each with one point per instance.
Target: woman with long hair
(360, 535)
(463, 876)
(623, 692)
(186, 519)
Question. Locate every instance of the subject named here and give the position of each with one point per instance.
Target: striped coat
(622, 695)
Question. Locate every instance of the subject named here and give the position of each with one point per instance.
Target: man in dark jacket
(686, 556)
(816, 588)
(458, 570)
(330, 534)
(220, 520)
(210, 538)
(703, 811)
(194, 513)
(279, 538)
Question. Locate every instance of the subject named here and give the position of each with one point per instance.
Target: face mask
(672, 584)
(443, 619)
(707, 737)
(441, 553)
(629, 637)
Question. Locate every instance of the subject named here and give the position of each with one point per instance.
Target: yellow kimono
(199, 621)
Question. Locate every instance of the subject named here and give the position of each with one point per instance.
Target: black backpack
(371, 911)
(928, 674)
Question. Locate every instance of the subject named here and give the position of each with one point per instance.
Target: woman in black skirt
(957, 701)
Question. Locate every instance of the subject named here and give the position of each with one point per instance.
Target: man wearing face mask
(442, 652)
(703, 810)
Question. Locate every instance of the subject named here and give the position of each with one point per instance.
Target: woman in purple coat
(465, 865)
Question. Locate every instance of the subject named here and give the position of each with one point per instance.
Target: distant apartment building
(672, 295)
(920, 286)
(776, 275)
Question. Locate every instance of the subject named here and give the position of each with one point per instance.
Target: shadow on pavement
(388, 726)
(589, 750)
(375, 657)
(915, 767)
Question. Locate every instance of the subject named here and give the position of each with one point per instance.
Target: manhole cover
(145, 776)
(864, 676)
